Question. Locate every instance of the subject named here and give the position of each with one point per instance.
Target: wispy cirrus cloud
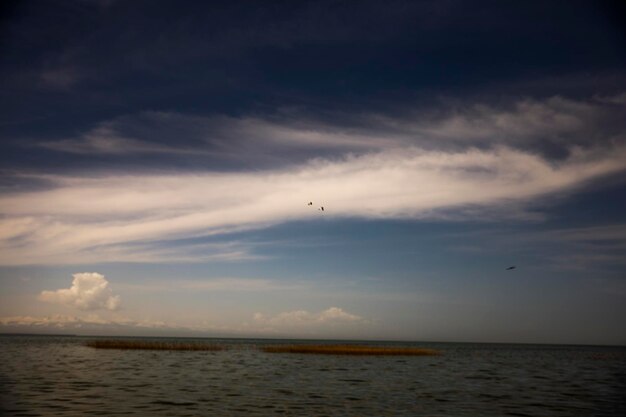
(59, 78)
(589, 248)
(103, 141)
(543, 126)
(79, 214)
(584, 248)
(153, 132)
(465, 161)
(213, 285)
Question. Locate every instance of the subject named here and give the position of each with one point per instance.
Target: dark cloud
(166, 132)
(554, 127)
(96, 60)
(110, 86)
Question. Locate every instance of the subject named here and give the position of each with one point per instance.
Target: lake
(60, 376)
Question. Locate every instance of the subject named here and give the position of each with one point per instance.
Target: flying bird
(322, 208)
(310, 203)
(510, 267)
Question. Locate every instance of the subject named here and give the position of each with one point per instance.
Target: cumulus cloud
(332, 315)
(89, 291)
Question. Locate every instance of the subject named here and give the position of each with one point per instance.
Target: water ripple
(60, 376)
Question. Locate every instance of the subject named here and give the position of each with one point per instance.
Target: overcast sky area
(157, 160)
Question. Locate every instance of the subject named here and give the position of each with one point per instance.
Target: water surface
(59, 376)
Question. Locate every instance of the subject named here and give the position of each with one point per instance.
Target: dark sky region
(157, 158)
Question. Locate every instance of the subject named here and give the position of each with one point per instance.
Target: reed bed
(152, 345)
(351, 350)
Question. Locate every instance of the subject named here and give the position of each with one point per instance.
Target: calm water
(59, 376)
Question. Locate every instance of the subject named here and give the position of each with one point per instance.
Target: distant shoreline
(41, 334)
(304, 340)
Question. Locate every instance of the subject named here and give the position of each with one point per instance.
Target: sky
(164, 165)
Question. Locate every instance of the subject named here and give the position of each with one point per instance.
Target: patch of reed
(152, 345)
(350, 350)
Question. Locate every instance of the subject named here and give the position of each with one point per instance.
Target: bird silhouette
(322, 208)
(310, 203)
(510, 267)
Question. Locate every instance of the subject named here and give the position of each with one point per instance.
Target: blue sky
(158, 160)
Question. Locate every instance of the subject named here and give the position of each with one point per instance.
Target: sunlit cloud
(475, 161)
(93, 216)
(82, 324)
(56, 320)
(305, 320)
(89, 291)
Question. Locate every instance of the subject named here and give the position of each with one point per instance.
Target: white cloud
(55, 320)
(89, 323)
(298, 318)
(337, 314)
(111, 218)
(475, 161)
(294, 322)
(89, 291)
